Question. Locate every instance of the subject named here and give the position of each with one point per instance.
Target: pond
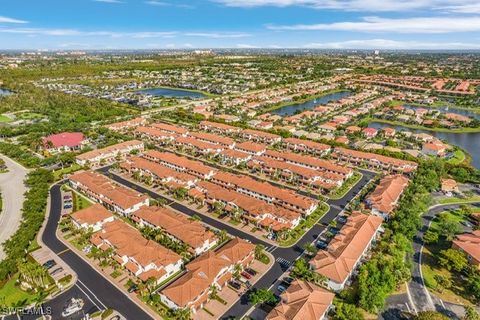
(467, 141)
(173, 93)
(446, 109)
(310, 104)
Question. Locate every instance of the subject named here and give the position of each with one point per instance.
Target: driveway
(12, 189)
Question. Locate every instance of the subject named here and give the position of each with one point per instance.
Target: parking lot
(57, 269)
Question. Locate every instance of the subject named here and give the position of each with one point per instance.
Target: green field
(5, 119)
(59, 173)
(11, 295)
(458, 157)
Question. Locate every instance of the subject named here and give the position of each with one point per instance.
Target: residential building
(307, 146)
(64, 142)
(126, 125)
(178, 227)
(109, 154)
(110, 194)
(219, 128)
(347, 249)
(469, 243)
(260, 136)
(93, 217)
(384, 199)
(449, 186)
(213, 268)
(303, 301)
(252, 148)
(141, 257)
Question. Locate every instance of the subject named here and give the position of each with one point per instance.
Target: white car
(73, 306)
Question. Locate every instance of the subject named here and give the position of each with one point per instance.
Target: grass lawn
(57, 175)
(458, 157)
(458, 200)
(304, 226)
(5, 119)
(80, 202)
(10, 294)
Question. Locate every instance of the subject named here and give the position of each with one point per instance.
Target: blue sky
(177, 24)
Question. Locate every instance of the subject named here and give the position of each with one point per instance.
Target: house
(251, 148)
(389, 132)
(449, 186)
(260, 136)
(469, 243)
(64, 142)
(93, 217)
(303, 301)
(347, 249)
(384, 198)
(110, 194)
(109, 154)
(219, 128)
(141, 257)
(308, 146)
(234, 156)
(213, 268)
(177, 227)
(214, 139)
(154, 134)
(352, 129)
(436, 149)
(170, 128)
(370, 132)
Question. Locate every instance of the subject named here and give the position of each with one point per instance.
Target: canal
(172, 93)
(467, 141)
(310, 104)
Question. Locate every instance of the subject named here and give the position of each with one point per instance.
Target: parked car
(288, 280)
(246, 275)
(321, 244)
(54, 272)
(281, 288)
(333, 230)
(50, 264)
(251, 271)
(467, 224)
(342, 219)
(133, 288)
(67, 206)
(67, 197)
(235, 285)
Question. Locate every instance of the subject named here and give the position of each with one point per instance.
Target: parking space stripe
(63, 251)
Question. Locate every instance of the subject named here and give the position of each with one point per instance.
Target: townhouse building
(154, 135)
(91, 218)
(260, 136)
(126, 125)
(306, 146)
(266, 192)
(384, 199)
(225, 142)
(141, 257)
(110, 194)
(213, 268)
(109, 154)
(469, 243)
(303, 300)
(170, 128)
(375, 161)
(181, 164)
(220, 128)
(252, 148)
(235, 157)
(197, 146)
(177, 227)
(346, 250)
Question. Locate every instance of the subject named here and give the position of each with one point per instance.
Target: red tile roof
(64, 139)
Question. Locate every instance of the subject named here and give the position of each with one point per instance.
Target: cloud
(157, 3)
(109, 1)
(466, 8)
(393, 45)
(4, 19)
(169, 4)
(404, 25)
(359, 5)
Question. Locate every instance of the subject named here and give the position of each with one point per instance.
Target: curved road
(421, 299)
(283, 256)
(12, 188)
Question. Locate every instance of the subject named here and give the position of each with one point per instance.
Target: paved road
(90, 283)
(283, 256)
(12, 189)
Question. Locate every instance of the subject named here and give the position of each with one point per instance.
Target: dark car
(342, 219)
(288, 280)
(333, 230)
(133, 288)
(251, 271)
(246, 275)
(321, 244)
(67, 206)
(235, 285)
(50, 264)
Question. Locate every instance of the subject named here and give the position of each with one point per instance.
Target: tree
(443, 282)
(309, 248)
(471, 314)
(222, 236)
(182, 314)
(453, 259)
(261, 295)
(346, 311)
(430, 237)
(449, 227)
(259, 251)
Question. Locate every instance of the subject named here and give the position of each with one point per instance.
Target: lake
(446, 109)
(310, 104)
(172, 93)
(467, 141)
(5, 92)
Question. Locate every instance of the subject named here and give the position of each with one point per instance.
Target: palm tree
(259, 248)
(222, 236)
(213, 291)
(182, 314)
(237, 270)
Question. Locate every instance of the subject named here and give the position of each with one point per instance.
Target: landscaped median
(291, 237)
(349, 184)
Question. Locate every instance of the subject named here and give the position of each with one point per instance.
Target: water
(467, 141)
(310, 104)
(172, 93)
(5, 92)
(446, 109)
